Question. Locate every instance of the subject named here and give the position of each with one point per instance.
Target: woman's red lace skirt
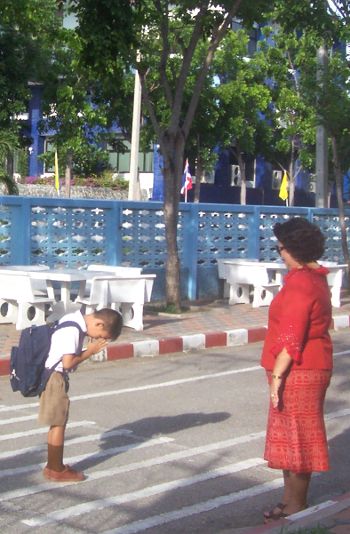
(296, 436)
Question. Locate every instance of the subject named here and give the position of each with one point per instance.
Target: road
(169, 445)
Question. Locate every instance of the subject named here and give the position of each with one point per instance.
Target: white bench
(126, 294)
(335, 279)
(20, 302)
(265, 278)
(245, 277)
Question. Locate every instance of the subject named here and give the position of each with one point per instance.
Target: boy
(101, 326)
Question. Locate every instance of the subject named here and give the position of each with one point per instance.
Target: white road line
(198, 508)
(150, 386)
(18, 419)
(72, 441)
(171, 383)
(144, 464)
(91, 456)
(342, 353)
(35, 431)
(99, 504)
(338, 413)
(140, 388)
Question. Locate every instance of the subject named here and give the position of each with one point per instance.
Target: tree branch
(218, 35)
(164, 32)
(186, 64)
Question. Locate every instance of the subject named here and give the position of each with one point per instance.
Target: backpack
(27, 363)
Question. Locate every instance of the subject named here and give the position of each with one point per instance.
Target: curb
(192, 342)
(186, 343)
(311, 517)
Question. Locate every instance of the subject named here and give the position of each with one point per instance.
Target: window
(49, 147)
(119, 157)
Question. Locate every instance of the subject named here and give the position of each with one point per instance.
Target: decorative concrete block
(149, 347)
(237, 337)
(193, 342)
(340, 321)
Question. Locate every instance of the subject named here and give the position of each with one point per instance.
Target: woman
(297, 356)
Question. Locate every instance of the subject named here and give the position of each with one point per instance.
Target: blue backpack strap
(82, 334)
(47, 372)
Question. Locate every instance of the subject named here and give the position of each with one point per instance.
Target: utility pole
(134, 182)
(321, 200)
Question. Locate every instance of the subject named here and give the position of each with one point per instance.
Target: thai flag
(186, 179)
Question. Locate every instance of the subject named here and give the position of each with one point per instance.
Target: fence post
(21, 224)
(254, 234)
(190, 236)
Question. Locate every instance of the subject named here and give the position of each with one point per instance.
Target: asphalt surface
(171, 444)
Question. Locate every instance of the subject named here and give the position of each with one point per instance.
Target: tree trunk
(173, 153)
(339, 190)
(199, 173)
(68, 174)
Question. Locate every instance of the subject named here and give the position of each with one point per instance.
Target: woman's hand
(274, 390)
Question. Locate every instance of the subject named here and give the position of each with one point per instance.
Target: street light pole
(321, 200)
(134, 182)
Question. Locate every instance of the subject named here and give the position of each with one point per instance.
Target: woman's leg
(294, 497)
(295, 492)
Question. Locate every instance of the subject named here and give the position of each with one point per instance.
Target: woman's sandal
(275, 513)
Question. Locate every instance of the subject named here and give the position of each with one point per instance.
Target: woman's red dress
(299, 320)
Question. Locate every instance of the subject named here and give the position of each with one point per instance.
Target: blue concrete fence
(76, 232)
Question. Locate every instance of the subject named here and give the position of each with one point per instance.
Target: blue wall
(76, 232)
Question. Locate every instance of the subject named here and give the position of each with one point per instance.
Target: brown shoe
(67, 475)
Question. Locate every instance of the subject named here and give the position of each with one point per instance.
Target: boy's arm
(70, 361)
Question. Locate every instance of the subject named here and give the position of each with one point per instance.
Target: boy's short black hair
(302, 239)
(113, 321)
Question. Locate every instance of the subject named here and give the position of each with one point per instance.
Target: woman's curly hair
(302, 239)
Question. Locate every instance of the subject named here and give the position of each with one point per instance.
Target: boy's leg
(54, 410)
(55, 443)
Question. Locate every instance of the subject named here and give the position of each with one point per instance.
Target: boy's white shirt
(65, 340)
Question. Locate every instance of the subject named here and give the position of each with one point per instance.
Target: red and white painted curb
(186, 343)
(193, 342)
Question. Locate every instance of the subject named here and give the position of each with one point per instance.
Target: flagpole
(57, 174)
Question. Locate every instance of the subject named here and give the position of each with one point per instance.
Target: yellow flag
(57, 175)
(283, 194)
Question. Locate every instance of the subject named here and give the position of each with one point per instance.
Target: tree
(171, 32)
(80, 107)
(327, 23)
(244, 98)
(27, 28)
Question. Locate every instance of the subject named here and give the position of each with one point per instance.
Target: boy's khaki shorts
(54, 402)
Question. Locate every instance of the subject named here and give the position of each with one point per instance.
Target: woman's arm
(282, 364)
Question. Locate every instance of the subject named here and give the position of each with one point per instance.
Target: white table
(242, 277)
(64, 278)
(127, 294)
(106, 289)
(22, 302)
